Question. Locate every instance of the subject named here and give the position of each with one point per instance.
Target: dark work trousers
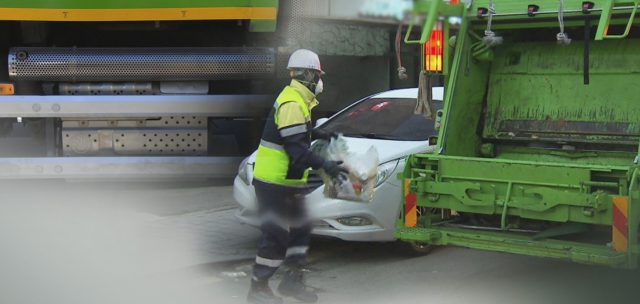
(286, 230)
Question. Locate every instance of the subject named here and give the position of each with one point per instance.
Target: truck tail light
(433, 50)
(6, 89)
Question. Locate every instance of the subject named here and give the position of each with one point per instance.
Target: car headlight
(243, 174)
(385, 170)
(355, 221)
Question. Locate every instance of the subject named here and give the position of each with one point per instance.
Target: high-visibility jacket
(289, 118)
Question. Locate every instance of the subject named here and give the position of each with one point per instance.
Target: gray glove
(333, 169)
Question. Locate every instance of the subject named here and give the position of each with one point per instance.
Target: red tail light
(433, 51)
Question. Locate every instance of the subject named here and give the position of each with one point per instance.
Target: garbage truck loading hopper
(537, 152)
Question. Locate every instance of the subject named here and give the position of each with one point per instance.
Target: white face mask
(319, 87)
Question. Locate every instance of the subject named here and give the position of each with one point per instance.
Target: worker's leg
(273, 242)
(299, 234)
(271, 250)
(293, 284)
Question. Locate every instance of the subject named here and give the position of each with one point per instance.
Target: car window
(384, 118)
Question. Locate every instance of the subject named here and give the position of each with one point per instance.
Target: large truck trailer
(131, 89)
(537, 152)
(161, 90)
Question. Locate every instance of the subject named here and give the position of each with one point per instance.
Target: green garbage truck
(537, 151)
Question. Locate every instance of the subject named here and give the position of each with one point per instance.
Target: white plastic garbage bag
(358, 185)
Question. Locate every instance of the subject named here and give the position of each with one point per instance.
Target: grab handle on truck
(434, 9)
(605, 18)
(429, 21)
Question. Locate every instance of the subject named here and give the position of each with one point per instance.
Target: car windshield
(384, 118)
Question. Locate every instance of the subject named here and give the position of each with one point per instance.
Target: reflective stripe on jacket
(273, 164)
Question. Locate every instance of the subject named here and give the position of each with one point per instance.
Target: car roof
(438, 93)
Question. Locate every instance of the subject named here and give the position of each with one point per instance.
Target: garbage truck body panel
(538, 141)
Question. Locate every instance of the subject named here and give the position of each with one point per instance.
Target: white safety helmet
(304, 59)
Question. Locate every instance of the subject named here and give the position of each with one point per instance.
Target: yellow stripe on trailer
(151, 14)
(410, 208)
(620, 216)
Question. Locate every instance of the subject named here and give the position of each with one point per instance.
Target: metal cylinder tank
(139, 64)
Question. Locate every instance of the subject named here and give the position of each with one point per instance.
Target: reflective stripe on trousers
(278, 245)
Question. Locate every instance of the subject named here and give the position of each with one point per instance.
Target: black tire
(415, 249)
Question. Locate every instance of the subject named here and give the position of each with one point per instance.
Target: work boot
(261, 293)
(293, 285)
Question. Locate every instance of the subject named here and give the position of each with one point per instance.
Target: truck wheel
(415, 249)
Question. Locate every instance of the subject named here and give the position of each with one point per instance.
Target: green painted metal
(566, 229)
(511, 13)
(548, 156)
(524, 143)
(128, 4)
(512, 243)
(488, 186)
(262, 25)
(605, 19)
(534, 73)
(634, 219)
(550, 22)
(428, 22)
(517, 10)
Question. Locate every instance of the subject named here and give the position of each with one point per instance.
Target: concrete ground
(80, 242)
(159, 244)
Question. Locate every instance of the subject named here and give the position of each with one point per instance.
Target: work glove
(333, 169)
(323, 134)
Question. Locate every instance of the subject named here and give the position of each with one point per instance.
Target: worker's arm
(300, 157)
(293, 129)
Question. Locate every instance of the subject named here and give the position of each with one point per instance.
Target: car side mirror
(321, 121)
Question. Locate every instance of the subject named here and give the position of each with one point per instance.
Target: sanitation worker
(280, 175)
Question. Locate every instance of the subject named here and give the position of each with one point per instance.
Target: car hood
(387, 149)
